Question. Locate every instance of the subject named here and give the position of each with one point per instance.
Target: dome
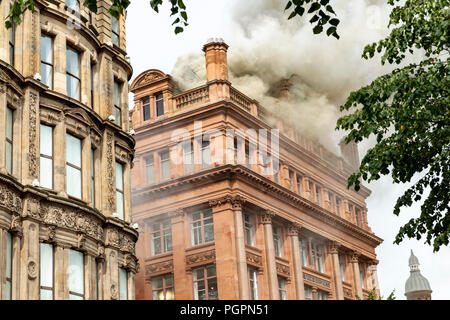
(416, 282)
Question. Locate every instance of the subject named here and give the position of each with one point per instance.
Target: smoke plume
(265, 48)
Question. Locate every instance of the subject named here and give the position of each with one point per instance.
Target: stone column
(101, 272)
(131, 289)
(337, 270)
(2, 264)
(29, 255)
(111, 276)
(182, 287)
(266, 220)
(244, 294)
(108, 193)
(225, 248)
(59, 158)
(16, 238)
(357, 281)
(30, 137)
(59, 72)
(127, 190)
(86, 169)
(298, 271)
(61, 279)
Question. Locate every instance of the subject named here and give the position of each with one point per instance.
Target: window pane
(8, 255)
(118, 116)
(119, 204)
(46, 270)
(170, 295)
(47, 75)
(157, 283)
(165, 165)
(73, 150)
(73, 179)
(75, 297)
(199, 274)
(119, 176)
(199, 290)
(73, 87)
(146, 111)
(46, 173)
(159, 104)
(76, 272)
(46, 140)
(123, 284)
(73, 62)
(169, 280)
(117, 90)
(156, 243)
(9, 123)
(9, 153)
(46, 294)
(46, 49)
(158, 294)
(167, 240)
(209, 231)
(210, 271)
(212, 289)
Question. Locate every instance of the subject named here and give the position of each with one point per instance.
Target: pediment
(79, 113)
(148, 77)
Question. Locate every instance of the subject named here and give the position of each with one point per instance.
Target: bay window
(73, 166)
(163, 287)
(47, 60)
(73, 73)
(205, 283)
(76, 275)
(46, 271)
(202, 227)
(46, 156)
(119, 191)
(161, 237)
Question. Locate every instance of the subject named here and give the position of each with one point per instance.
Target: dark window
(159, 104)
(146, 109)
(118, 103)
(115, 31)
(73, 73)
(9, 139)
(12, 44)
(249, 229)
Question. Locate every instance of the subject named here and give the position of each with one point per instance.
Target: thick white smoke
(265, 48)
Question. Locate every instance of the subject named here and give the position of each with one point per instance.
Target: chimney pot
(216, 59)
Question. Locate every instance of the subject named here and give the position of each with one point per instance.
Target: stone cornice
(241, 172)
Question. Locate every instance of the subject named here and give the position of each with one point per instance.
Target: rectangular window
(165, 165)
(9, 139)
(304, 252)
(146, 108)
(159, 98)
(93, 177)
(299, 185)
(47, 60)
(318, 195)
(76, 275)
(73, 166)
(330, 198)
(115, 31)
(46, 156)
(92, 84)
(358, 217)
(123, 284)
(46, 271)
(277, 240)
(322, 295)
(202, 227)
(117, 103)
(308, 292)
(12, 44)
(350, 211)
(249, 230)
(282, 288)
(342, 266)
(8, 266)
(119, 191)
(206, 154)
(247, 156)
(317, 257)
(205, 283)
(161, 237)
(235, 150)
(362, 275)
(188, 156)
(338, 206)
(73, 5)
(291, 180)
(163, 288)
(150, 170)
(73, 73)
(253, 283)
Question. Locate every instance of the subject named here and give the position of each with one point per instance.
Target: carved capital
(333, 247)
(179, 213)
(81, 241)
(100, 252)
(266, 216)
(354, 257)
(51, 233)
(294, 229)
(16, 224)
(235, 201)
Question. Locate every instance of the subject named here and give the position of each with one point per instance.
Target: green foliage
(320, 10)
(408, 111)
(373, 295)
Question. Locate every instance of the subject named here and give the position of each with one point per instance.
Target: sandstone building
(65, 155)
(218, 220)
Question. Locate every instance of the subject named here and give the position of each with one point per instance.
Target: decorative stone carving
(177, 213)
(32, 158)
(283, 269)
(254, 259)
(333, 247)
(10, 200)
(354, 257)
(266, 216)
(51, 233)
(294, 229)
(314, 279)
(111, 198)
(16, 224)
(201, 257)
(126, 243)
(101, 252)
(235, 201)
(160, 267)
(81, 241)
(113, 238)
(33, 206)
(32, 269)
(114, 292)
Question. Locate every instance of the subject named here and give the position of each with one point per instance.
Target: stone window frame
(52, 64)
(282, 287)
(71, 45)
(165, 287)
(52, 289)
(83, 296)
(115, 32)
(81, 168)
(145, 106)
(252, 222)
(202, 226)
(156, 95)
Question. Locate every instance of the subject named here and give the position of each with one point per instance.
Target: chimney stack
(350, 153)
(216, 59)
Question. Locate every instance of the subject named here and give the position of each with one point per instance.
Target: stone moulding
(254, 259)
(199, 258)
(159, 267)
(283, 269)
(316, 280)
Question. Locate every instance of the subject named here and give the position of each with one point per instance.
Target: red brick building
(224, 214)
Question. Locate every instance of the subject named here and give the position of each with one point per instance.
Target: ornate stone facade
(252, 230)
(34, 215)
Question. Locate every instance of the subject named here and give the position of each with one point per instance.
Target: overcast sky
(151, 43)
